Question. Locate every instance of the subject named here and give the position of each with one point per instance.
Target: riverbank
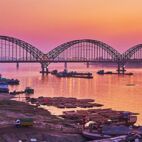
(10, 134)
(5, 97)
(46, 127)
(71, 126)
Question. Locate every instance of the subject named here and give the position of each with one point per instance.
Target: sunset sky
(48, 23)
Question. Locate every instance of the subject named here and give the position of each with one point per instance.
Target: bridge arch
(84, 50)
(134, 53)
(13, 49)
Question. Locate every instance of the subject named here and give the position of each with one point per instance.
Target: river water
(111, 90)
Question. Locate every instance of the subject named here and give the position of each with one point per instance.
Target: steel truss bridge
(13, 50)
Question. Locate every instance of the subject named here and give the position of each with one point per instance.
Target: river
(111, 90)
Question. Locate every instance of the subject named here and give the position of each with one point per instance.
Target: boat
(133, 137)
(97, 105)
(54, 72)
(116, 130)
(94, 136)
(70, 105)
(130, 73)
(74, 74)
(85, 105)
(108, 132)
(9, 81)
(33, 100)
(13, 81)
(113, 139)
(4, 87)
(101, 72)
(86, 100)
(29, 90)
(62, 74)
(16, 92)
(80, 76)
(108, 72)
(60, 106)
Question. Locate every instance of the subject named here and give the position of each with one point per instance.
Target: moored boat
(116, 130)
(101, 72)
(4, 87)
(29, 90)
(94, 136)
(16, 92)
(74, 74)
(13, 81)
(54, 72)
(9, 81)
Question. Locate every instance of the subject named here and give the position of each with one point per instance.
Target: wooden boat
(94, 136)
(86, 100)
(60, 106)
(114, 133)
(114, 130)
(70, 105)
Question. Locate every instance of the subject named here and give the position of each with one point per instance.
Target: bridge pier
(88, 64)
(65, 67)
(17, 65)
(44, 68)
(121, 68)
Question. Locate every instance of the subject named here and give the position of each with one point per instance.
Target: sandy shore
(46, 127)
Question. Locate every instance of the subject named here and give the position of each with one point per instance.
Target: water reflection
(111, 90)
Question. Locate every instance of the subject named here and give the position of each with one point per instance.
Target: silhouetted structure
(13, 50)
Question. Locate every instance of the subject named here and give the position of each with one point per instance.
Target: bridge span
(13, 50)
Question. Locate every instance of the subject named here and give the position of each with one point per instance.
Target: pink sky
(48, 23)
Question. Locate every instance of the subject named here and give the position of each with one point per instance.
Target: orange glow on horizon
(48, 23)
